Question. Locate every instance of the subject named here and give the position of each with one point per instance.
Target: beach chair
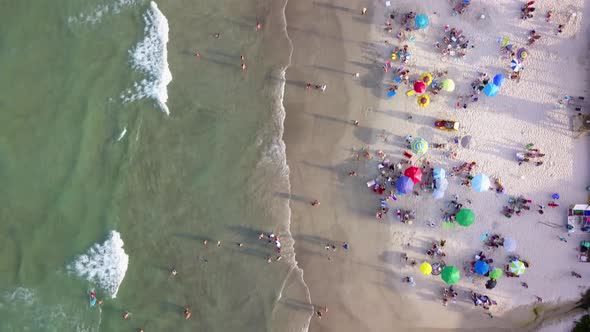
(407, 155)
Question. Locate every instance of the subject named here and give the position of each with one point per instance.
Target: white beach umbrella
(509, 244)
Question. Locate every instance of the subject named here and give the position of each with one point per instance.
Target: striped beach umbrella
(480, 183)
(517, 267)
(521, 53)
(515, 65)
(419, 146)
(423, 100)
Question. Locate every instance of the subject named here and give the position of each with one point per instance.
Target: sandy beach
(362, 286)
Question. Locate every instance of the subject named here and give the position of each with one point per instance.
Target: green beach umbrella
(517, 267)
(465, 217)
(448, 85)
(419, 146)
(496, 274)
(450, 275)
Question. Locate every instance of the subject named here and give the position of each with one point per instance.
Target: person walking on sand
(364, 11)
(321, 311)
(315, 203)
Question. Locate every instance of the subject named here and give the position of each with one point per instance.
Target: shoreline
(361, 286)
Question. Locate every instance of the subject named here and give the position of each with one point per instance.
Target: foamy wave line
(150, 56)
(283, 152)
(104, 264)
(101, 11)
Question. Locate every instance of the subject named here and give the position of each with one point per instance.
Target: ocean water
(121, 152)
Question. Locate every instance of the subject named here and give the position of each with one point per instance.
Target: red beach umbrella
(420, 87)
(414, 173)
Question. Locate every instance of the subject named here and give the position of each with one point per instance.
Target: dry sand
(362, 286)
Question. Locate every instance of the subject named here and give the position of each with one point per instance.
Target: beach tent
(414, 173)
(467, 141)
(439, 173)
(450, 275)
(509, 244)
(441, 184)
(496, 274)
(481, 267)
(490, 89)
(426, 268)
(426, 78)
(448, 85)
(421, 21)
(465, 217)
(480, 183)
(419, 146)
(438, 194)
(517, 267)
(499, 79)
(423, 100)
(404, 185)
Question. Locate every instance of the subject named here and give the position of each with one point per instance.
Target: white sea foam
(150, 56)
(122, 134)
(102, 10)
(104, 264)
(21, 295)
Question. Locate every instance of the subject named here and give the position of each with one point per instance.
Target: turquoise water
(87, 151)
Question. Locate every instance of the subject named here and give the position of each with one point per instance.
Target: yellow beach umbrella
(423, 100)
(426, 78)
(426, 268)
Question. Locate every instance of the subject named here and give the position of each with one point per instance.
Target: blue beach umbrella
(404, 185)
(555, 196)
(421, 21)
(419, 146)
(391, 94)
(439, 173)
(499, 80)
(490, 89)
(481, 267)
(480, 183)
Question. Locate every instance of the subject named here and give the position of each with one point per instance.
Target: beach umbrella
(404, 185)
(465, 217)
(467, 141)
(439, 173)
(421, 21)
(509, 244)
(438, 194)
(441, 184)
(555, 196)
(480, 183)
(481, 267)
(391, 94)
(496, 274)
(419, 146)
(490, 284)
(521, 53)
(414, 173)
(426, 78)
(448, 85)
(450, 275)
(490, 89)
(517, 267)
(426, 268)
(499, 79)
(515, 65)
(423, 100)
(419, 87)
